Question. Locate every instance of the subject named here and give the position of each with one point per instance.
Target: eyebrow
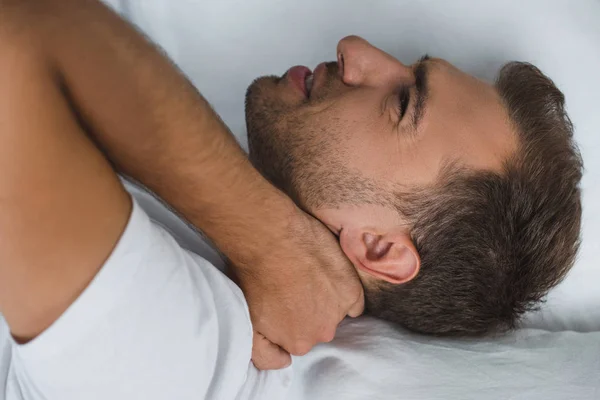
(422, 89)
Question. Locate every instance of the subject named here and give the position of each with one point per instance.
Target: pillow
(370, 359)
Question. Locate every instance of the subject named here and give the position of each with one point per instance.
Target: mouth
(301, 77)
(308, 82)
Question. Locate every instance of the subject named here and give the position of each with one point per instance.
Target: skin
(127, 108)
(344, 151)
(84, 96)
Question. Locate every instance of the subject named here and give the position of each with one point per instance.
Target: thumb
(267, 355)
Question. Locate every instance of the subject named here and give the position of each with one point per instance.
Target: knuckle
(258, 356)
(269, 361)
(262, 365)
(262, 362)
(328, 336)
(300, 348)
(259, 363)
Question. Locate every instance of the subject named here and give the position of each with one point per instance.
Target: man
(109, 306)
(74, 75)
(456, 201)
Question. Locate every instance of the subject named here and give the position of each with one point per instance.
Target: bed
(223, 45)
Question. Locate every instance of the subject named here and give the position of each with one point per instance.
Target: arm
(157, 128)
(154, 126)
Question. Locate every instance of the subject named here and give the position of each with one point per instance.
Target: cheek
(364, 134)
(374, 149)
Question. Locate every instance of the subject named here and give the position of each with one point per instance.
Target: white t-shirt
(157, 322)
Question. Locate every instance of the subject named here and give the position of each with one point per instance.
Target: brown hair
(492, 244)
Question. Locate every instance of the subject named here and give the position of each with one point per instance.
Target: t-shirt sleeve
(156, 322)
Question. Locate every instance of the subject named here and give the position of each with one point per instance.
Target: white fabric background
(223, 45)
(370, 360)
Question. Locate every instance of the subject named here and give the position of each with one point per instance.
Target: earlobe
(389, 257)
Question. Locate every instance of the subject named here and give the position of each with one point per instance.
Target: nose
(362, 64)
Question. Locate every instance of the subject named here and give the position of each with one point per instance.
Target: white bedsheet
(370, 359)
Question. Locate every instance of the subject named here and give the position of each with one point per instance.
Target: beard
(285, 144)
(299, 146)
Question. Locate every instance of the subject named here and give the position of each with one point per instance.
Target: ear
(391, 257)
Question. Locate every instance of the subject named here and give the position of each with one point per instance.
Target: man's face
(370, 127)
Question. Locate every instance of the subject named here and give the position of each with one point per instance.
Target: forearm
(152, 123)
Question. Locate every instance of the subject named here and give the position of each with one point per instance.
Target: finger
(359, 306)
(266, 355)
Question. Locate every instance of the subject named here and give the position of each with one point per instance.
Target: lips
(321, 69)
(298, 76)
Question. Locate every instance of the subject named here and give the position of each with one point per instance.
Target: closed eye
(403, 101)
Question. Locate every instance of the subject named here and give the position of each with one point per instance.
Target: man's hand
(299, 288)
(153, 125)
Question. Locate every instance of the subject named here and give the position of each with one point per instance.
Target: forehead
(465, 121)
